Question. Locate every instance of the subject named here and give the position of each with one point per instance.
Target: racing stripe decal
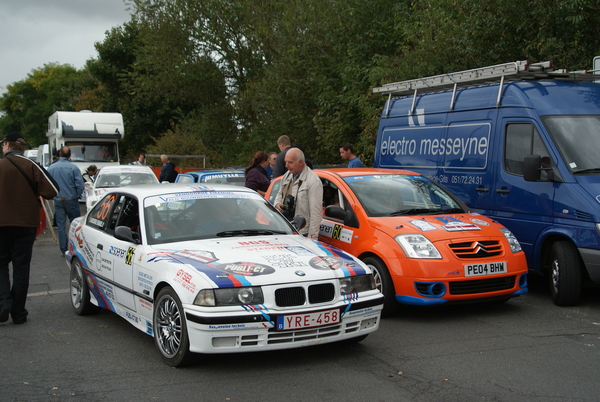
(218, 277)
(349, 268)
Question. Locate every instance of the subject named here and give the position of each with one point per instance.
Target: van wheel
(383, 282)
(565, 274)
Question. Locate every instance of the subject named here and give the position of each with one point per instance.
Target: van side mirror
(532, 165)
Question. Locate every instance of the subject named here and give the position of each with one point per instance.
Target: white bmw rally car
(215, 270)
(116, 176)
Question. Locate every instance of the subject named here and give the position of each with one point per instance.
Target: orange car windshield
(395, 195)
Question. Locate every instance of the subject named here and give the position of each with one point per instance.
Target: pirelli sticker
(335, 231)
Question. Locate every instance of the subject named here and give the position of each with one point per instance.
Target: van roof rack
(514, 71)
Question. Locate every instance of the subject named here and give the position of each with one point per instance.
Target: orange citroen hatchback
(424, 245)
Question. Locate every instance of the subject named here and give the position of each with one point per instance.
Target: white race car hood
(255, 261)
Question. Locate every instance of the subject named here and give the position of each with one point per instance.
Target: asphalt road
(526, 349)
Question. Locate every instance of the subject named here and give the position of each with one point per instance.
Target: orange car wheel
(384, 283)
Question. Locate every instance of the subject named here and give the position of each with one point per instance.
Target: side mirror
(126, 234)
(335, 211)
(532, 165)
(298, 222)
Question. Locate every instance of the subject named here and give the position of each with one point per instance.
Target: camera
(288, 207)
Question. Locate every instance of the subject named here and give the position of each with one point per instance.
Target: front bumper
(257, 332)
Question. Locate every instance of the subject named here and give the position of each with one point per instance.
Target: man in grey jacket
(301, 183)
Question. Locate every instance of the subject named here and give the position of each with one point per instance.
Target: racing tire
(383, 282)
(80, 293)
(565, 274)
(170, 329)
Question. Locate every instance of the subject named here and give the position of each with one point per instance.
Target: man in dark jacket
(167, 171)
(21, 183)
(284, 143)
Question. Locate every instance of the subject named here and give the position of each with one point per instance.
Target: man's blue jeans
(62, 210)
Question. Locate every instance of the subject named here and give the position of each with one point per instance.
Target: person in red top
(22, 181)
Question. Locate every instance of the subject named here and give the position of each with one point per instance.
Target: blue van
(517, 142)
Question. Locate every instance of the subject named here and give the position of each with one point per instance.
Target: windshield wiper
(590, 170)
(413, 211)
(249, 232)
(448, 210)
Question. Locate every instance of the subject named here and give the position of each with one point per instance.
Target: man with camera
(301, 193)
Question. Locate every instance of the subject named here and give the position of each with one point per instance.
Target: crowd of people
(300, 192)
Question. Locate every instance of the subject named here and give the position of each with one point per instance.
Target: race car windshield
(196, 216)
(396, 195)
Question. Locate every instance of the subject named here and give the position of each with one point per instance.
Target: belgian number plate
(308, 320)
(486, 268)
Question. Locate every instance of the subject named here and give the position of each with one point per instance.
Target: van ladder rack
(518, 70)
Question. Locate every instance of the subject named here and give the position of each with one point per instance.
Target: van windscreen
(577, 139)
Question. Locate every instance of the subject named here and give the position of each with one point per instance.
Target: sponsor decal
(88, 254)
(185, 280)
(260, 245)
(479, 222)
(423, 225)
(79, 236)
(245, 268)
(96, 222)
(326, 263)
(145, 304)
(298, 250)
(145, 280)
(335, 231)
(198, 255)
(241, 326)
(149, 328)
(117, 252)
(452, 224)
(129, 256)
(283, 261)
(140, 257)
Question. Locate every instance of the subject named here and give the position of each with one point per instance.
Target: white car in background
(116, 176)
(215, 269)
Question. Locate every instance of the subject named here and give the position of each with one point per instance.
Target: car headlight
(356, 284)
(512, 240)
(417, 246)
(229, 297)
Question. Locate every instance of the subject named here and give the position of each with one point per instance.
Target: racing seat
(109, 181)
(155, 225)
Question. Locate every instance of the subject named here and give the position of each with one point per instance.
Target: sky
(37, 32)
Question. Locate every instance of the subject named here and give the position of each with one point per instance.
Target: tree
(27, 104)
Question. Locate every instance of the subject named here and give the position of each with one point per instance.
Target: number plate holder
(485, 268)
(308, 320)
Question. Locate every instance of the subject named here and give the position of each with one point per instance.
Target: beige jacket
(308, 194)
